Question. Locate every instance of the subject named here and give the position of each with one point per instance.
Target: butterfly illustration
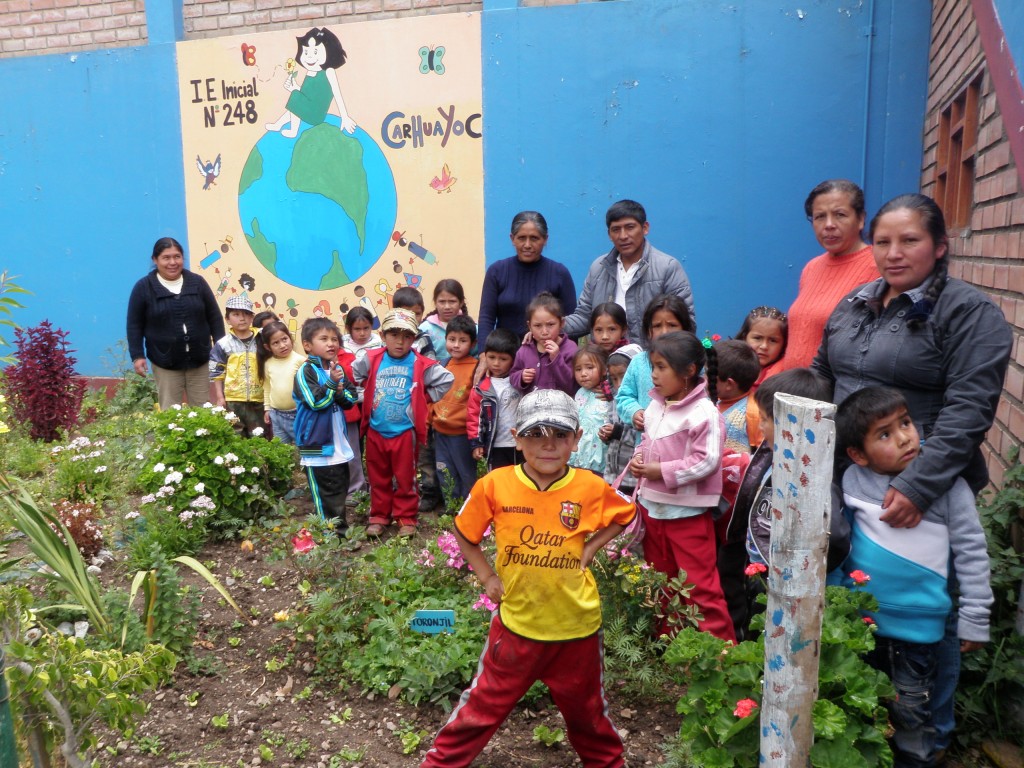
(430, 59)
(248, 54)
(443, 184)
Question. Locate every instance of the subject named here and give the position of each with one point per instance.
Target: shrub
(79, 517)
(42, 387)
(81, 472)
(991, 688)
(203, 477)
(721, 706)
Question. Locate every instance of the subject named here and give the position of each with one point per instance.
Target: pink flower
(303, 542)
(745, 707)
(859, 578)
(484, 602)
(755, 568)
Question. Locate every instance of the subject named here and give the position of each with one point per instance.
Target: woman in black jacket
(174, 313)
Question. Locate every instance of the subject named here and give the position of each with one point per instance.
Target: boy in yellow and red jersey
(548, 624)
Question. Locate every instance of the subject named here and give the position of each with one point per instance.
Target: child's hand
(966, 646)
(640, 468)
(589, 552)
(221, 401)
(478, 453)
(551, 347)
(337, 372)
(266, 417)
(638, 420)
(494, 588)
(605, 432)
(529, 374)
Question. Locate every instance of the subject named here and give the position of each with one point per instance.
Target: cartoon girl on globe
(320, 53)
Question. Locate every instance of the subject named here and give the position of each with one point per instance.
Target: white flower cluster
(173, 477)
(202, 431)
(82, 449)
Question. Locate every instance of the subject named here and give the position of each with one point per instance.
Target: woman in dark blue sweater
(511, 284)
(173, 321)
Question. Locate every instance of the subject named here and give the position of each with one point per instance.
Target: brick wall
(989, 252)
(216, 18)
(31, 27)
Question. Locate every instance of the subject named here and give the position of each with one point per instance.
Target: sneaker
(407, 530)
(375, 529)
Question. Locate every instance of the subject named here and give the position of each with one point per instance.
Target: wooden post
(801, 493)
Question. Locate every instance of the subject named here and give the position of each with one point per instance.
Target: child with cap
(548, 623)
(399, 383)
(233, 368)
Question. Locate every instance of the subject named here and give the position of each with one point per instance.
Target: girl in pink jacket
(678, 464)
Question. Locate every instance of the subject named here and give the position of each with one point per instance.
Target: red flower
(868, 620)
(744, 707)
(755, 568)
(859, 578)
(716, 337)
(303, 542)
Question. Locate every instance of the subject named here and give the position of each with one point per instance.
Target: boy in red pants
(548, 624)
(399, 383)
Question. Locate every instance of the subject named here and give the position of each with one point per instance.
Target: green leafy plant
(991, 688)
(347, 755)
(410, 737)
(549, 737)
(8, 303)
(723, 693)
(220, 721)
(202, 477)
(62, 690)
(81, 472)
(265, 752)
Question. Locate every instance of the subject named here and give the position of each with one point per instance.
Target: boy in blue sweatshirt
(908, 569)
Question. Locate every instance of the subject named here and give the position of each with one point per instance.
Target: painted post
(801, 482)
(8, 753)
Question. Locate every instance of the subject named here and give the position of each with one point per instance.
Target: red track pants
(509, 665)
(689, 543)
(391, 469)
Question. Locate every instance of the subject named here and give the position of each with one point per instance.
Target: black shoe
(430, 503)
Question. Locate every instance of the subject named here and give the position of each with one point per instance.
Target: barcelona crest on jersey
(570, 514)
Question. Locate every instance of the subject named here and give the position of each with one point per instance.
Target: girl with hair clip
(678, 464)
(276, 364)
(766, 331)
(449, 302)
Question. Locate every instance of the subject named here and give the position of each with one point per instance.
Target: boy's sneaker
(375, 529)
(407, 531)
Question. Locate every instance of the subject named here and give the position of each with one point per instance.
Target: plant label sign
(433, 622)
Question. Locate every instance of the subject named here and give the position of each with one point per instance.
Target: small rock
(627, 714)
(66, 628)
(122, 747)
(228, 581)
(390, 726)
(105, 555)
(81, 629)
(307, 667)
(160, 696)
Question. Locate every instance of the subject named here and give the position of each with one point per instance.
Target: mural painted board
(327, 167)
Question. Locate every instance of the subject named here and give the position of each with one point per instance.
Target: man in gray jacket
(631, 274)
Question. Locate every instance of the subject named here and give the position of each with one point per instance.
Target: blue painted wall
(718, 117)
(90, 177)
(1011, 16)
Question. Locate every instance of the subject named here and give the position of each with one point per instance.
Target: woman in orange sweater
(835, 209)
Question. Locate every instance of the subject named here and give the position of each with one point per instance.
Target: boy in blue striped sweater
(908, 569)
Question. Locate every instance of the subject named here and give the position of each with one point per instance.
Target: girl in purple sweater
(545, 359)
(679, 467)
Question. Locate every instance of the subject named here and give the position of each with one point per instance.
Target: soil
(264, 708)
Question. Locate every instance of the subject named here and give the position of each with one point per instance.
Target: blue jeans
(912, 667)
(456, 468)
(283, 423)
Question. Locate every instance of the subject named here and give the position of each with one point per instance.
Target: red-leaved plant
(80, 518)
(42, 387)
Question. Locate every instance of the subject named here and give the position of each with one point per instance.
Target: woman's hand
(900, 512)
(529, 374)
(266, 417)
(638, 420)
(140, 366)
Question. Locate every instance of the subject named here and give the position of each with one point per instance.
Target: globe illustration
(317, 210)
